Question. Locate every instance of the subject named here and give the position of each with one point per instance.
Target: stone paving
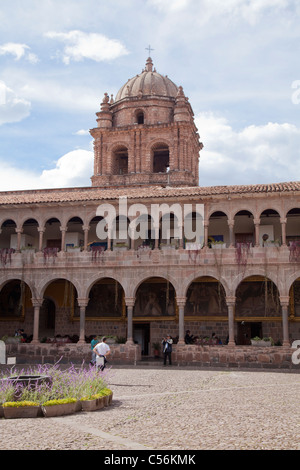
(172, 408)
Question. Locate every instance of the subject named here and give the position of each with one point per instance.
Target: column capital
(37, 302)
(256, 221)
(63, 229)
(181, 301)
(129, 301)
(83, 302)
(86, 227)
(19, 230)
(284, 300)
(230, 300)
(41, 229)
(283, 220)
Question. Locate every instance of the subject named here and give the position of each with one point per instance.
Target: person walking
(102, 350)
(167, 349)
(93, 344)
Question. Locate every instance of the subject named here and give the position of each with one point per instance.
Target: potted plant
(60, 407)
(97, 401)
(20, 409)
(266, 341)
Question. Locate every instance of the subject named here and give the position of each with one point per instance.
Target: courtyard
(174, 408)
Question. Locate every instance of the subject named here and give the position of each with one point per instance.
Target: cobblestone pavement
(174, 409)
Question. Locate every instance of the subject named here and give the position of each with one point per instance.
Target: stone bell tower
(146, 135)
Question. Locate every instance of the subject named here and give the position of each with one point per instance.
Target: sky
(237, 61)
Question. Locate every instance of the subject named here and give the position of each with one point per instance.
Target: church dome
(148, 83)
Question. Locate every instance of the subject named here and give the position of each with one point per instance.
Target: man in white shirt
(102, 350)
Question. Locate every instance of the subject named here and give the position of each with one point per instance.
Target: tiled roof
(86, 194)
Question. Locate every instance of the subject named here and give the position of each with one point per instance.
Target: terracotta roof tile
(100, 194)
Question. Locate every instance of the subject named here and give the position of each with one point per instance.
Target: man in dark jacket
(167, 349)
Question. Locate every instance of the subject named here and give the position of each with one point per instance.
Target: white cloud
(18, 51)
(73, 169)
(82, 132)
(12, 107)
(80, 45)
(256, 154)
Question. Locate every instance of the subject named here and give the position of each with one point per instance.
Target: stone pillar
(37, 303)
(63, 238)
(181, 304)
(231, 234)
(284, 301)
(206, 233)
(19, 232)
(181, 230)
(41, 231)
(283, 231)
(156, 229)
(130, 301)
(256, 225)
(131, 237)
(230, 304)
(85, 229)
(82, 305)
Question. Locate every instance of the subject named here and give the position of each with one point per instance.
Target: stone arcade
(59, 282)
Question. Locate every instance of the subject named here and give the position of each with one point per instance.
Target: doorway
(141, 336)
(247, 331)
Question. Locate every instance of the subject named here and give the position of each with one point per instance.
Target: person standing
(93, 344)
(102, 350)
(167, 349)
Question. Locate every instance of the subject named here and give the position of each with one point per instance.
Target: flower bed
(65, 393)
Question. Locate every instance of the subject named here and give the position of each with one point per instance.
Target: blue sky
(238, 62)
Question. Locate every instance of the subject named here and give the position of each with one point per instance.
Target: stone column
(284, 301)
(131, 237)
(283, 231)
(230, 304)
(256, 225)
(63, 238)
(130, 301)
(41, 231)
(37, 303)
(82, 305)
(181, 304)
(231, 234)
(156, 229)
(19, 232)
(206, 223)
(85, 229)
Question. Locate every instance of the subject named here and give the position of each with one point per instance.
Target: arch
(15, 298)
(7, 222)
(52, 236)
(8, 237)
(270, 227)
(244, 231)
(292, 226)
(139, 116)
(155, 297)
(160, 157)
(218, 229)
(45, 283)
(119, 160)
(258, 297)
(206, 296)
(106, 299)
(294, 295)
(193, 224)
